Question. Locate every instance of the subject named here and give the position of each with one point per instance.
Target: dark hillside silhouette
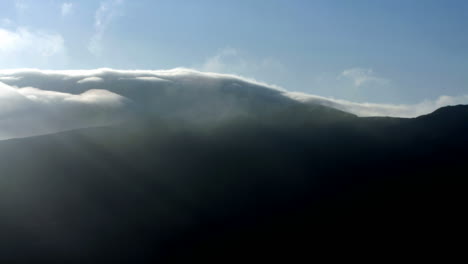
(300, 182)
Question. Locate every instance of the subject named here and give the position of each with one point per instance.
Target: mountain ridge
(38, 102)
(165, 190)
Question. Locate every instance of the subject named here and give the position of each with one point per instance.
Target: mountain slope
(158, 189)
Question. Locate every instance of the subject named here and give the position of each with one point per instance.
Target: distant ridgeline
(299, 181)
(34, 102)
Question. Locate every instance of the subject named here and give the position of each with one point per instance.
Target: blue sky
(377, 51)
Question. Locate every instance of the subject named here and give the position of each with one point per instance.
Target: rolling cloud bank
(34, 102)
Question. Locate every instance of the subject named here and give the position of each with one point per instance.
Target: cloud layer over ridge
(30, 111)
(34, 102)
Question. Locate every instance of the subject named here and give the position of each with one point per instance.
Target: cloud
(63, 100)
(372, 109)
(30, 111)
(5, 22)
(217, 63)
(35, 47)
(105, 14)
(9, 78)
(150, 79)
(23, 40)
(362, 76)
(66, 9)
(21, 6)
(90, 79)
(233, 61)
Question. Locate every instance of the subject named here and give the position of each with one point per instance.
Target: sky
(398, 51)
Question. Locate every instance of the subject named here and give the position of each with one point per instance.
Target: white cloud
(66, 8)
(362, 76)
(177, 75)
(150, 79)
(94, 96)
(21, 6)
(9, 78)
(218, 62)
(35, 47)
(105, 14)
(79, 98)
(30, 111)
(90, 79)
(180, 93)
(5, 22)
(233, 61)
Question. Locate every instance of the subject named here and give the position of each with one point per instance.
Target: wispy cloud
(66, 9)
(5, 22)
(373, 109)
(21, 6)
(233, 61)
(219, 62)
(362, 76)
(90, 79)
(35, 47)
(30, 111)
(105, 14)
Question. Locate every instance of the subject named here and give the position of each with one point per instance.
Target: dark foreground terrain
(300, 183)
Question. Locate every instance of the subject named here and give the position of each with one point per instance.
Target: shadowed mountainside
(292, 183)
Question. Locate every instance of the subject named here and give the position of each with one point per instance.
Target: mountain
(296, 182)
(35, 102)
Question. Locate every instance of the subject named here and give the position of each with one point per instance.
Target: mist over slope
(34, 102)
(300, 183)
